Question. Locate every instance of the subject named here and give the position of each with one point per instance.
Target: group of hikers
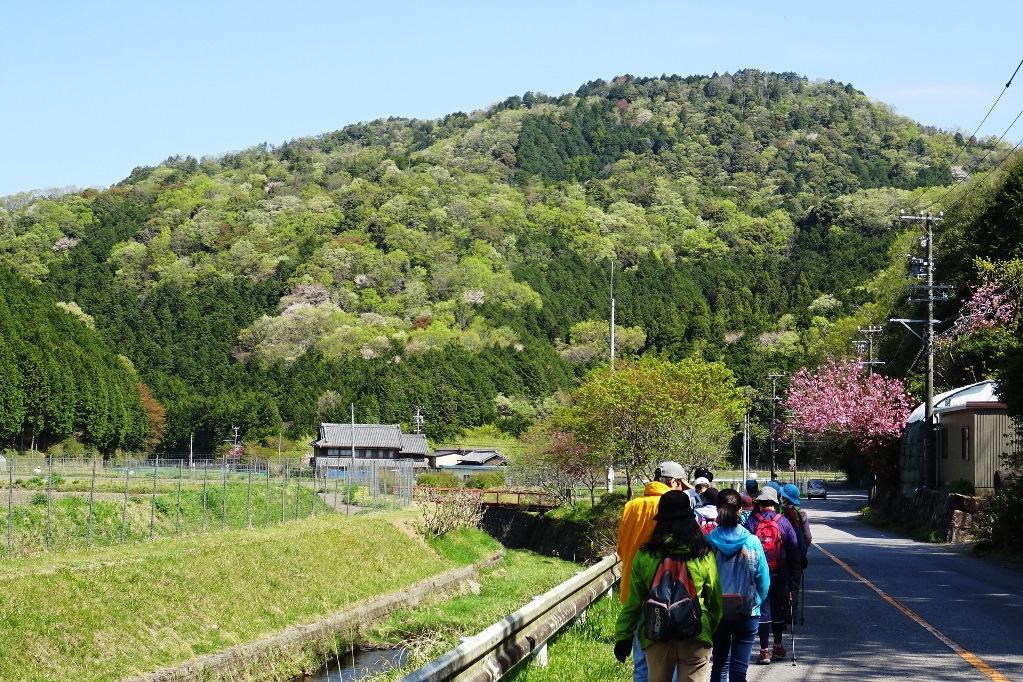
(705, 572)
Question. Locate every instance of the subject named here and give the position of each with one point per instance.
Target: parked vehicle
(816, 487)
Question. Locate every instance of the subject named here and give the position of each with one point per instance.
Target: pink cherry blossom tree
(992, 303)
(841, 400)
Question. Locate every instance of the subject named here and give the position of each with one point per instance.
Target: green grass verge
(110, 613)
(431, 630)
(872, 517)
(582, 652)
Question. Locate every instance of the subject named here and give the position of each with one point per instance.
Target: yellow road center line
(971, 658)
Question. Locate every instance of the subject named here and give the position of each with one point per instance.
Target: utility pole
(927, 293)
(612, 314)
(774, 420)
(867, 346)
(418, 420)
(745, 448)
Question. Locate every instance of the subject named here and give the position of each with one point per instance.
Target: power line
(982, 160)
(988, 177)
(983, 120)
(973, 136)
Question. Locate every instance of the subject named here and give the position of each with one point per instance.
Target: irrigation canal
(367, 662)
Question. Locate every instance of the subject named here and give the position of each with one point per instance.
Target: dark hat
(674, 505)
(710, 495)
(752, 487)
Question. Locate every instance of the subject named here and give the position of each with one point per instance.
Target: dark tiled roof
(413, 444)
(379, 436)
(386, 436)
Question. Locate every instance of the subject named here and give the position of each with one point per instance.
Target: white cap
(702, 480)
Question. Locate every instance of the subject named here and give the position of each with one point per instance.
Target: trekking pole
(792, 617)
(802, 599)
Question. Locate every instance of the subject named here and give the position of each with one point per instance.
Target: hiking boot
(778, 653)
(765, 657)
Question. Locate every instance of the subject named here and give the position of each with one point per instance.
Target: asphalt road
(852, 633)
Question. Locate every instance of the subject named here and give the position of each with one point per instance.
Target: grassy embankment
(108, 613)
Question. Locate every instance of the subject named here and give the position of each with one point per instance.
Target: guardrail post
(541, 655)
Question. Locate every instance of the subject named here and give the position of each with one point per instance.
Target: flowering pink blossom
(841, 399)
(991, 304)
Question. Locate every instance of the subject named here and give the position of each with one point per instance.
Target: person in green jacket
(678, 535)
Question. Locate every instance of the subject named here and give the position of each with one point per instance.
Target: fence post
(177, 500)
(205, 486)
(248, 501)
(49, 501)
(10, 507)
(92, 502)
(298, 493)
(152, 501)
(335, 494)
(124, 507)
(266, 502)
(284, 486)
(316, 493)
(224, 490)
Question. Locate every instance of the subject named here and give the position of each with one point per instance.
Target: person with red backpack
(781, 547)
(674, 597)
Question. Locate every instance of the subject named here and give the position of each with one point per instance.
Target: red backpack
(770, 537)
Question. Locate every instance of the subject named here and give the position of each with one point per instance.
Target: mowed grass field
(110, 613)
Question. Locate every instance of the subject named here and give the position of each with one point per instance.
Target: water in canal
(367, 662)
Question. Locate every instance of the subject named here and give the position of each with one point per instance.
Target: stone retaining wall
(950, 515)
(518, 529)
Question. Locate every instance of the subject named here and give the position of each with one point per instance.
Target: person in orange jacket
(634, 531)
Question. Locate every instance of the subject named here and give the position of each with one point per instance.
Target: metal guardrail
(492, 497)
(488, 655)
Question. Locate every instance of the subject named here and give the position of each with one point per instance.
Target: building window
(966, 442)
(943, 442)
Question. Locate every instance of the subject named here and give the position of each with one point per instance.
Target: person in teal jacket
(735, 637)
(676, 534)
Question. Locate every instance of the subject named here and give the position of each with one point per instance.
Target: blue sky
(90, 90)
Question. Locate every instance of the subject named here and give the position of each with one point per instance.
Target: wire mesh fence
(63, 503)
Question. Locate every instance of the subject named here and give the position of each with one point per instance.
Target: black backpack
(671, 610)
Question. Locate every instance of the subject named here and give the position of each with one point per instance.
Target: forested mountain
(462, 264)
(58, 378)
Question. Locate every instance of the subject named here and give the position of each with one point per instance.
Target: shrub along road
(851, 631)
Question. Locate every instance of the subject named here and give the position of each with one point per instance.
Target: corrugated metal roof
(480, 457)
(980, 392)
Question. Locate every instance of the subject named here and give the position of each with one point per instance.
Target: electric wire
(973, 136)
(973, 185)
(994, 146)
(983, 120)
